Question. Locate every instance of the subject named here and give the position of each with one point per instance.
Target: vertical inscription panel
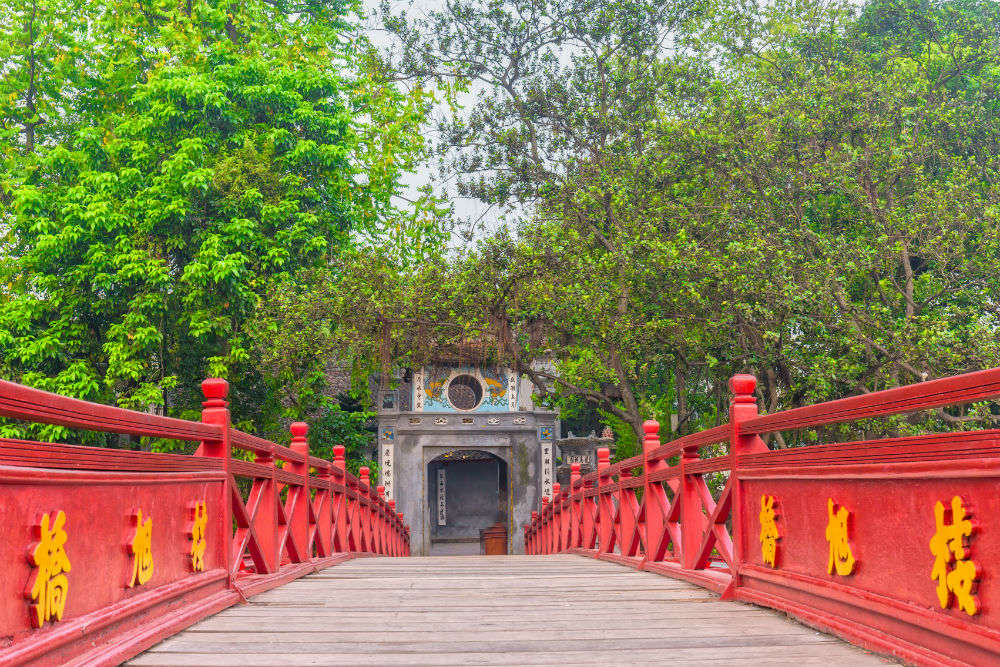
(387, 469)
(418, 391)
(442, 496)
(547, 469)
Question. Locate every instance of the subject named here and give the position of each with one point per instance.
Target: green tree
(217, 149)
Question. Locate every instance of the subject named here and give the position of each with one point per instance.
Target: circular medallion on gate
(465, 392)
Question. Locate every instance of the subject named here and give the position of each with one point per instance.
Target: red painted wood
(250, 546)
(888, 601)
(35, 405)
(956, 390)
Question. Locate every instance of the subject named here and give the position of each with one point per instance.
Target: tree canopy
(807, 191)
(166, 165)
(804, 191)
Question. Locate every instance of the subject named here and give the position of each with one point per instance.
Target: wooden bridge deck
(496, 610)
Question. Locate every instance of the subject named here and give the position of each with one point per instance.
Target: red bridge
(891, 544)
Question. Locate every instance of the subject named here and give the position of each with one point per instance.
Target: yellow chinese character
(769, 535)
(141, 549)
(198, 542)
(841, 557)
(947, 545)
(51, 586)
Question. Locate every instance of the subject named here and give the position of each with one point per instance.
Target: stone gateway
(463, 448)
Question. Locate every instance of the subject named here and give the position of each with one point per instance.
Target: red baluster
(380, 524)
(325, 516)
(264, 496)
(588, 507)
(693, 521)
(628, 533)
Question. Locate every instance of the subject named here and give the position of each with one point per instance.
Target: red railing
(892, 543)
(108, 551)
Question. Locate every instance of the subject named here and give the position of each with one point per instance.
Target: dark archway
(471, 496)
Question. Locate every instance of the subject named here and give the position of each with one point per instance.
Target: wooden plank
(510, 610)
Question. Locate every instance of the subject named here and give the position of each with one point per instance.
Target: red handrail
(847, 537)
(127, 547)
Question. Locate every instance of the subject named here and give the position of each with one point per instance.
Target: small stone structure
(582, 450)
(461, 447)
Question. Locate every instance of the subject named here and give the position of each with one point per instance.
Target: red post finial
(299, 442)
(215, 391)
(545, 500)
(392, 504)
(603, 458)
(338, 456)
(574, 475)
(364, 472)
(743, 387)
(651, 441)
(742, 407)
(556, 488)
(380, 490)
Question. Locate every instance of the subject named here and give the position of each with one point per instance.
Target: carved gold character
(51, 586)
(141, 549)
(949, 545)
(841, 558)
(769, 535)
(198, 542)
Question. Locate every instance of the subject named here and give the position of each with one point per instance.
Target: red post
(404, 536)
(654, 497)
(543, 539)
(215, 410)
(576, 516)
(380, 522)
(341, 535)
(364, 509)
(298, 496)
(394, 538)
(742, 407)
(556, 536)
(530, 545)
(605, 509)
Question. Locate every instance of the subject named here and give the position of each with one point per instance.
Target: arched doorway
(467, 491)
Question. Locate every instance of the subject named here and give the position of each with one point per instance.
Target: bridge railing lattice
(107, 551)
(892, 543)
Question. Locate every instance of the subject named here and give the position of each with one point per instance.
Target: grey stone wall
(420, 437)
